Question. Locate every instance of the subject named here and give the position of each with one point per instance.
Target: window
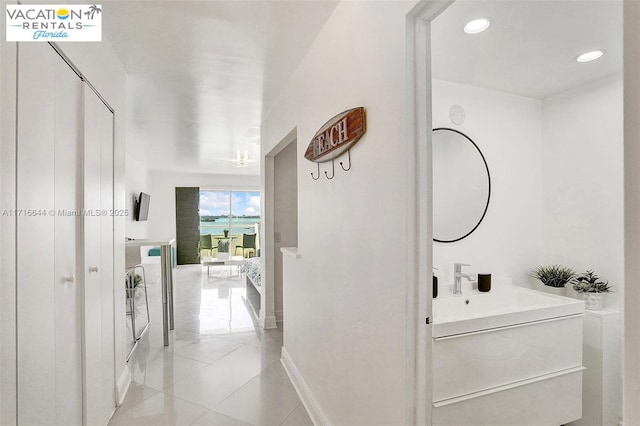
(238, 212)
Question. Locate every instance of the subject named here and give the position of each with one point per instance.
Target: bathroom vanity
(511, 356)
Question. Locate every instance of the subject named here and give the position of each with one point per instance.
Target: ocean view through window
(237, 212)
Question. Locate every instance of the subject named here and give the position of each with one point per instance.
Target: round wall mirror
(461, 185)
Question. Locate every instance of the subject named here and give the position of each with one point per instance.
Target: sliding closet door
(68, 181)
(48, 291)
(98, 261)
(108, 401)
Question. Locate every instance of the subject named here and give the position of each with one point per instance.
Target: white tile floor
(220, 369)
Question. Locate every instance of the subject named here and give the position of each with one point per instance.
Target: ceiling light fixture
(477, 25)
(590, 56)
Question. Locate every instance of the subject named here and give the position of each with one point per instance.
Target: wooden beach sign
(336, 136)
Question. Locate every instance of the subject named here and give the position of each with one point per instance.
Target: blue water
(239, 226)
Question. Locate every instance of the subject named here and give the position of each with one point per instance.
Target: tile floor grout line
(289, 415)
(236, 391)
(244, 385)
(187, 358)
(196, 420)
(136, 404)
(207, 363)
(242, 345)
(184, 400)
(231, 417)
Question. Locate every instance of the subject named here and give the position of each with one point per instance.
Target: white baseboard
(270, 322)
(122, 387)
(279, 316)
(317, 415)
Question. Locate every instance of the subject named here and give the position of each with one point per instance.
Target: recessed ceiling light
(477, 25)
(590, 56)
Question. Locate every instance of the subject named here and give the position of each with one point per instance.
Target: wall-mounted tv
(142, 207)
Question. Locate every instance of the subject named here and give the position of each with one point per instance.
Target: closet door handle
(69, 279)
(93, 269)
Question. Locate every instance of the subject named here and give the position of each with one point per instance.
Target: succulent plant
(553, 275)
(589, 282)
(133, 283)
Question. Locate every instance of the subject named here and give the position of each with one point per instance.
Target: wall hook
(316, 178)
(333, 168)
(348, 155)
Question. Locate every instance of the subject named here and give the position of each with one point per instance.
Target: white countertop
(150, 242)
(290, 251)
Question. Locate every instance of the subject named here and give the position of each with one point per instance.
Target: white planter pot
(560, 291)
(593, 301)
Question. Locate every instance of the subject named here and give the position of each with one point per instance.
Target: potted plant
(554, 277)
(226, 233)
(591, 288)
(131, 282)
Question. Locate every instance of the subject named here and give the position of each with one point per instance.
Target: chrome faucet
(458, 275)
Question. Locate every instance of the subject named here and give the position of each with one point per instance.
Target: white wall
(631, 382)
(285, 212)
(582, 163)
(162, 189)
(8, 402)
(550, 161)
(583, 203)
(137, 182)
(507, 129)
(346, 317)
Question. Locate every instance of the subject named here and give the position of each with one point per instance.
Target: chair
(206, 245)
(248, 243)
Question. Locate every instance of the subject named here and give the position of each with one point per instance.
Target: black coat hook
(333, 168)
(316, 178)
(349, 168)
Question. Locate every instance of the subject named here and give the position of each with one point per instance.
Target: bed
(253, 271)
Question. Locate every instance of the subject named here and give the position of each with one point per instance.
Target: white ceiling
(531, 46)
(202, 74)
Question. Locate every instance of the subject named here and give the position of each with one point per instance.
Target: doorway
(281, 223)
(447, 93)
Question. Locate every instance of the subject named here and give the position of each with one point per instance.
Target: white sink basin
(509, 305)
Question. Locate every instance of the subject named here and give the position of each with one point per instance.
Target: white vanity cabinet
(520, 374)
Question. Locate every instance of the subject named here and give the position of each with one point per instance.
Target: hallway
(220, 368)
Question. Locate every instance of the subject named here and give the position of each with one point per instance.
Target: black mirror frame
(486, 207)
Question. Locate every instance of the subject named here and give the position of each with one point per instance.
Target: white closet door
(68, 181)
(106, 250)
(98, 261)
(48, 323)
